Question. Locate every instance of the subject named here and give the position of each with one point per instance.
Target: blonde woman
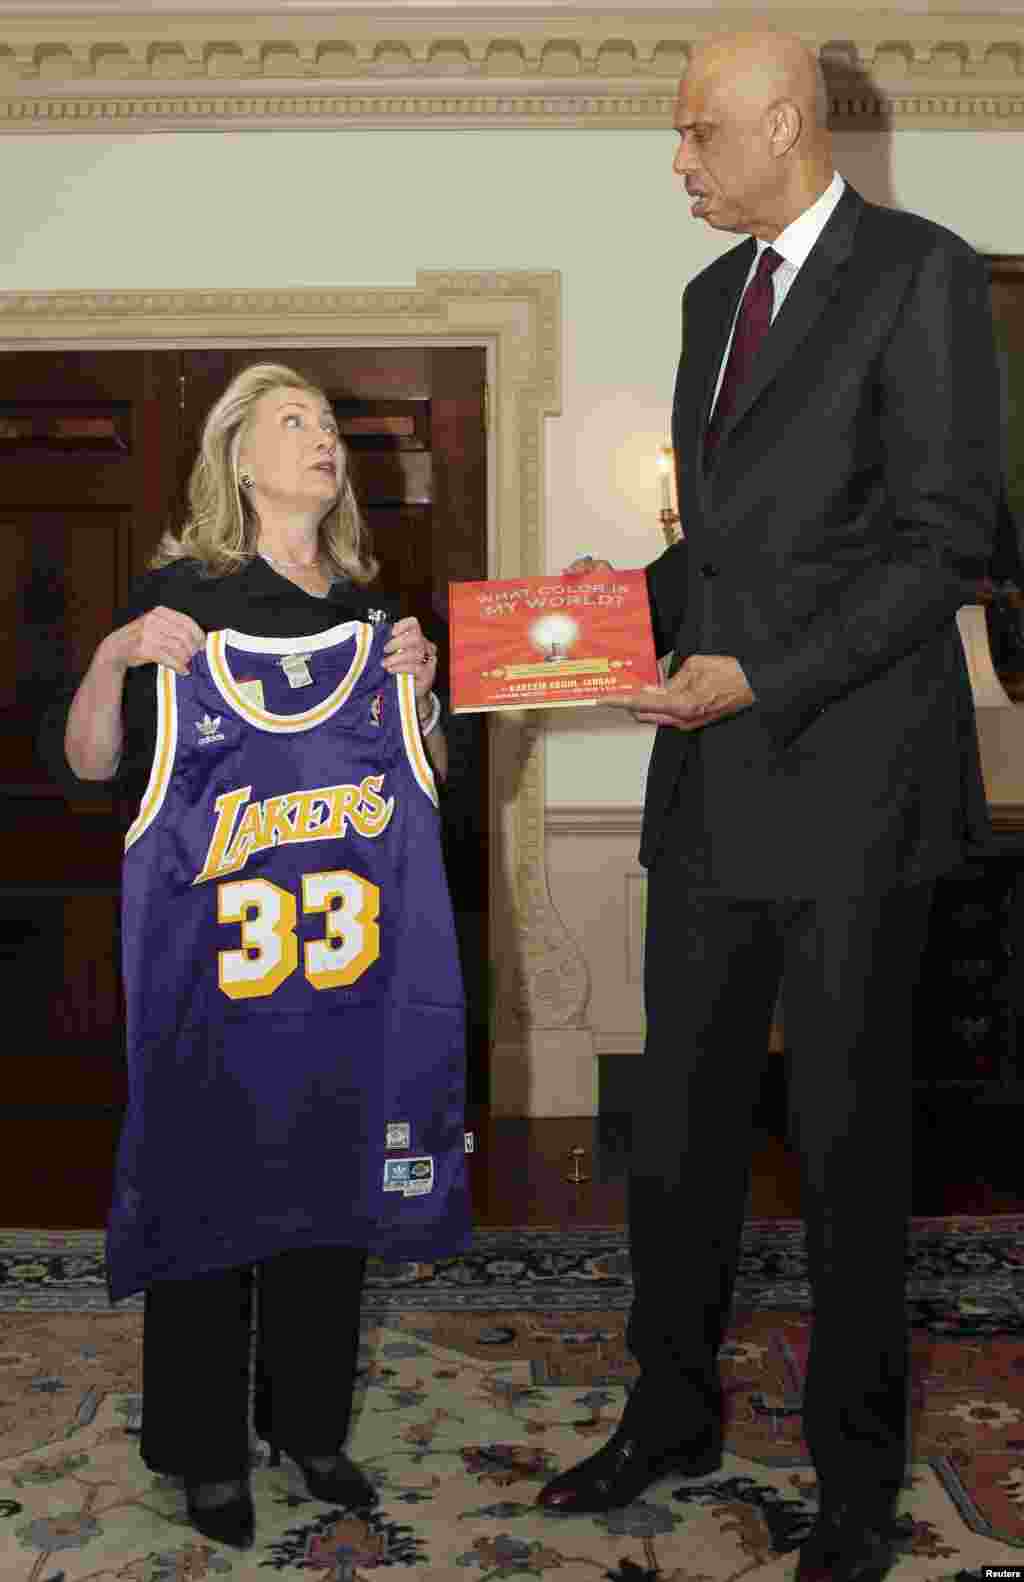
(251, 1138)
(273, 527)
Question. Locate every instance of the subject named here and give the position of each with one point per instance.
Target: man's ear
(785, 124)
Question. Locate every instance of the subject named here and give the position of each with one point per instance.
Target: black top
(255, 600)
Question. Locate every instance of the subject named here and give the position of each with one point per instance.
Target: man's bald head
(762, 68)
(752, 114)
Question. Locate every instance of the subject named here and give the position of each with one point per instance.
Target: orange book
(549, 642)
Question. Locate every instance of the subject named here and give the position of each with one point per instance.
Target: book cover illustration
(549, 642)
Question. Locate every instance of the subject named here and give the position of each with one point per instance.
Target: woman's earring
(246, 480)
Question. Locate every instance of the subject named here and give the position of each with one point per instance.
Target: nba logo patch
(469, 1141)
(399, 1135)
(377, 709)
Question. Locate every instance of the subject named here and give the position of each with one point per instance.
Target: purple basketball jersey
(294, 1001)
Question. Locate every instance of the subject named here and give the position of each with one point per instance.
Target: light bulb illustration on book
(554, 635)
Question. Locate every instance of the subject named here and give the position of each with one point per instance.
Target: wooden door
(88, 444)
(413, 420)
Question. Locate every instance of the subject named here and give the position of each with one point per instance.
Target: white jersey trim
(217, 644)
(291, 645)
(414, 749)
(163, 754)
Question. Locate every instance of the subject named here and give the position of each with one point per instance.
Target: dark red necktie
(752, 322)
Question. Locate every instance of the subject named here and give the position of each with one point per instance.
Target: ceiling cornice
(68, 69)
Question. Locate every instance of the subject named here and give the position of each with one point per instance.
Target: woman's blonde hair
(222, 525)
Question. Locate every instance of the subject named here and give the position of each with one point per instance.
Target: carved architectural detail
(555, 982)
(279, 68)
(519, 312)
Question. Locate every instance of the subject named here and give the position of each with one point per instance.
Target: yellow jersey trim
(414, 749)
(163, 755)
(287, 724)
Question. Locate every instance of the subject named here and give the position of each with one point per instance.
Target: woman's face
(290, 448)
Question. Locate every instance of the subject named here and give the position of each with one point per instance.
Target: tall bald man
(836, 428)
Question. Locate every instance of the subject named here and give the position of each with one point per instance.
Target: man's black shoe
(623, 1469)
(843, 1548)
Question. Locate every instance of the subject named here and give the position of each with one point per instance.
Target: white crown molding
(507, 11)
(77, 68)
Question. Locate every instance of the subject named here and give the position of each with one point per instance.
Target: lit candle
(665, 470)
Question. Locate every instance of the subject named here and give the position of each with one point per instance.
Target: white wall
(371, 207)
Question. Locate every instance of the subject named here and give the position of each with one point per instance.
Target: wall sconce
(669, 512)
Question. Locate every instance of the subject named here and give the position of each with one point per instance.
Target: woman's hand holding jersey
(410, 653)
(94, 735)
(160, 637)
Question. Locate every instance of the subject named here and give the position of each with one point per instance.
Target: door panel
(88, 444)
(59, 586)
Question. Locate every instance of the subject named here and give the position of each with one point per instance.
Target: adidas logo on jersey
(209, 730)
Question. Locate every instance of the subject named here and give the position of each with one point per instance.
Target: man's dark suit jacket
(847, 514)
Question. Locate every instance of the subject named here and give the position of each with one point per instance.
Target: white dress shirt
(793, 244)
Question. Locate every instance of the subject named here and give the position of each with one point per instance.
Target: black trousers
(712, 972)
(196, 1343)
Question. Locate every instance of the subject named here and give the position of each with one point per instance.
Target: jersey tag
(470, 1141)
(296, 668)
(411, 1177)
(251, 691)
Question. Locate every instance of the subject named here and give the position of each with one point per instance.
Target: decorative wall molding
(556, 982)
(600, 819)
(595, 874)
(192, 69)
(542, 982)
(599, 889)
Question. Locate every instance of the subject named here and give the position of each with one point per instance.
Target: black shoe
(231, 1521)
(621, 1472)
(844, 1547)
(341, 1483)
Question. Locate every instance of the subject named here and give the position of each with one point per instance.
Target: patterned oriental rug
(965, 1276)
(466, 1407)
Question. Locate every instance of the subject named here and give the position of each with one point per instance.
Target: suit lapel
(818, 280)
